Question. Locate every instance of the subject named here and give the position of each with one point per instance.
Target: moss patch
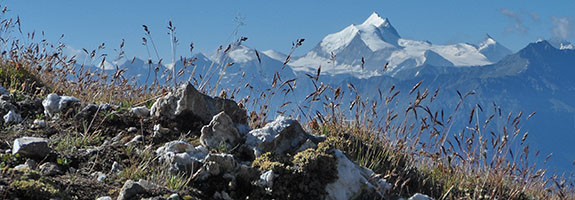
(303, 176)
(270, 161)
(35, 189)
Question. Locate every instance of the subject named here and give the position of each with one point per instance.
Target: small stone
(116, 168)
(118, 137)
(50, 169)
(100, 177)
(147, 185)
(40, 123)
(5, 105)
(130, 189)
(178, 146)
(132, 129)
(140, 111)
(419, 196)
(154, 198)
(12, 117)
(174, 196)
(31, 147)
(160, 131)
(104, 198)
(222, 195)
(22, 167)
(267, 178)
(134, 140)
(31, 163)
(3, 91)
(106, 107)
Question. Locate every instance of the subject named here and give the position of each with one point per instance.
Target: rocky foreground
(186, 146)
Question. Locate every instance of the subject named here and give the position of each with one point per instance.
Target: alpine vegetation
(365, 114)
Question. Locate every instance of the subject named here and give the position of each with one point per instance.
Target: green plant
(178, 181)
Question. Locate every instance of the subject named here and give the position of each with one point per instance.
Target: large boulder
(34, 147)
(189, 101)
(354, 181)
(283, 135)
(220, 132)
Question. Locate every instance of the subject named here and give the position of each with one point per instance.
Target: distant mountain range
(378, 43)
(538, 78)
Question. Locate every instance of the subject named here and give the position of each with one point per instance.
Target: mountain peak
(492, 50)
(376, 20)
(487, 36)
(487, 42)
(560, 43)
(540, 44)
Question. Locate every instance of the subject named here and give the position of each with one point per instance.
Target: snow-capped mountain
(364, 49)
(375, 33)
(560, 43)
(493, 50)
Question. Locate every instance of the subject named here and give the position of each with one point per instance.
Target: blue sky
(275, 24)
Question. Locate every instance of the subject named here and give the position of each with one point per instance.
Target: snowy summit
(376, 32)
(377, 42)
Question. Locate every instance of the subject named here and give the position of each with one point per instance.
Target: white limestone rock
(267, 179)
(353, 180)
(187, 100)
(182, 155)
(135, 140)
(220, 131)
(141, 111)
(419, 196)
(281, 136)
(39, 123)
(12, 117)
(218, 164)
(53, 104)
